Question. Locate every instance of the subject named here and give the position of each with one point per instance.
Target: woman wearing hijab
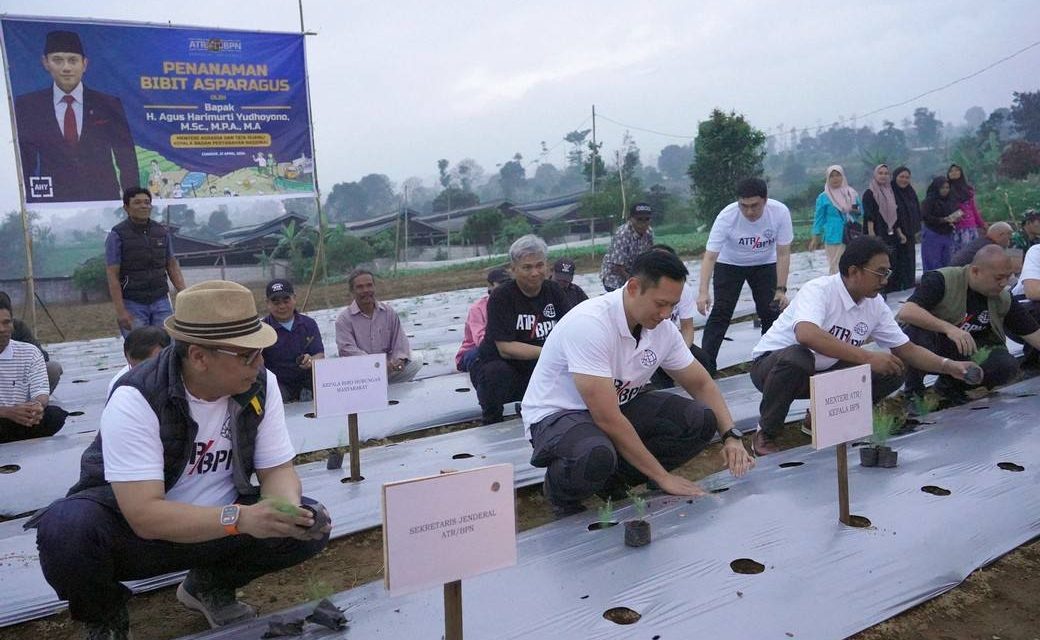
(940, 214)
(881, 217)
(971, 225)
(908, 213)
(839, 203)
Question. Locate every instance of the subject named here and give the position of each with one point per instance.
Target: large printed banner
(184, 112)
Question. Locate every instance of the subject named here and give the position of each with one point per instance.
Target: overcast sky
(398, 84)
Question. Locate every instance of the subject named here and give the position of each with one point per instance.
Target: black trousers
(783, 376)
(87, 550)
(728, 280)
(999, 368)
(497, 382)
(580, 459)
(52, 422)
(904, 266)
(661, 379)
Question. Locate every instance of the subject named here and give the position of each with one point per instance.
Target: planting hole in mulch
(584, 597)
(102, 368)
(347, 480)
(456, 317)
(978, 408)
(934, 490)
(860, 522)
(9, 468)
(309, 414)
(747, 566)
(859, 444)
(788, 465)
(462, 390)
(75, 414)
(79, 381)
(452, 329)
(1010, 466)
(1025, 395)
(461, 456)
(622, 615)
(393, 402)
(416, 324)
(596, 526)
(720, 490)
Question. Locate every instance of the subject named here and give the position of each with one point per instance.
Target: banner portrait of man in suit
(75, 143)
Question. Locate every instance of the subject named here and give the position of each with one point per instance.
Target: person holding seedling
(825, 328)
(167, 486)
(594, 426)
(965, 313)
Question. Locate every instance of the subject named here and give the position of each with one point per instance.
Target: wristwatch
(732, 433)
(229, 519)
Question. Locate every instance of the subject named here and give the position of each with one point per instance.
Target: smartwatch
(732, 433)
(229, 519)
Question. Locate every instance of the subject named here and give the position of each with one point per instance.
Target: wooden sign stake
(843, 483)
(453, 610)
(355, 448)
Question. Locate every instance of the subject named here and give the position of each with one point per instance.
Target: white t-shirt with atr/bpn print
(133, 451)
(743, 243)
(594, 339)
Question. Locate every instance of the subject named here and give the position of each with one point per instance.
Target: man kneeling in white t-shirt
(592, 425)
(825, 328)
(167, 483)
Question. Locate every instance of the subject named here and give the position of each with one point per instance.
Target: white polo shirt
(687, 305)
(826, 303)
(743, 243)
(593, 339)
(1030, 270)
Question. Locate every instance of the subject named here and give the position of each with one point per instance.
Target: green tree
(482, 227)
(90, 277)
(379, 194)
(576, 156)
(346, 202)
(727, 150)
(1025, 114)
(345, 251)
(442, 172)
(675, 160)
(927, 126)
(974, 117)
(890, 146)
(553, 230)
(512, 229)
(513, 176)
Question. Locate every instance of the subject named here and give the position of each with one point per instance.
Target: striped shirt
(23, 374)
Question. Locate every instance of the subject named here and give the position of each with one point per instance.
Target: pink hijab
(844, 196)
(886, 199)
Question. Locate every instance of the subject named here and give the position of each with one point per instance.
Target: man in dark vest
(166, 484)
(139, 259)
(72, 138)
(966, 312)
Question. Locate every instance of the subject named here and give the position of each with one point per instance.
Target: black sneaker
(560, 509)
(218, 604)
(115, 628)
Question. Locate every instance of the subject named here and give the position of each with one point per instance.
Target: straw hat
(218, 312)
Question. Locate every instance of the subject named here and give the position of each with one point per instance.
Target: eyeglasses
(249, 357)
(884, 274)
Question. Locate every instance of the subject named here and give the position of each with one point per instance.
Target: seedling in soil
(606, 515)
(878, 454)
(926, 404)
(639, 503)
(981, 355)
(318, 590)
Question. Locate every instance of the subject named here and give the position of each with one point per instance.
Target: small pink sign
(841, 406)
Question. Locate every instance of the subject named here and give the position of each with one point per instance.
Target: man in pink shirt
(476, 321)
(368, 326)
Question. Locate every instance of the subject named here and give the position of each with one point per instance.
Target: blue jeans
(148, 315)
(87, 550)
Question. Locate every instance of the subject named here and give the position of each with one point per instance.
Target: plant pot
(868, 456)
(328, 615)
(887, 457)
(637, 533)
(974, 375)
(334, 461)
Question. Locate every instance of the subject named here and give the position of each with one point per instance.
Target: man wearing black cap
(563, 274)
(68, 133)
(631, 239)
(476, 321)
(291, 358)
(1030, 232)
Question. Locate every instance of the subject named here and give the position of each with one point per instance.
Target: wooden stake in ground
(843, 484)
(453, 610)
(355, 448)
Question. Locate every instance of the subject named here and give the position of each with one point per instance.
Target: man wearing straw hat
(165, 486)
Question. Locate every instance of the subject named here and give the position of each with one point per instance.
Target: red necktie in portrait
(71, 135)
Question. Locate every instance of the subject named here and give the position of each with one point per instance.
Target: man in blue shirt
(299, 344)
